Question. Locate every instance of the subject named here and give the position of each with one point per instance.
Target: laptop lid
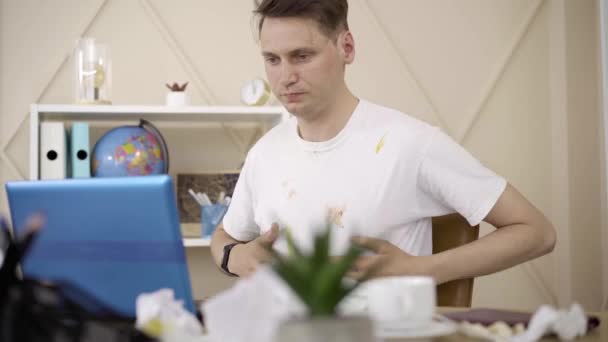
(113, 237)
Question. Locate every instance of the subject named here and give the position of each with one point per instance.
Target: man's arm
(246, 256)
(220, 239)
(523, 233)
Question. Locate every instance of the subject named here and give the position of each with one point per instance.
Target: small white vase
(177, 98)
(327, 329)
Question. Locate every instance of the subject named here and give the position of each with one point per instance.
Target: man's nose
(289, 75)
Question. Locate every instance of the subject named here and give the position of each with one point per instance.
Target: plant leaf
(321, 248)
(292, 248)
(317, 278)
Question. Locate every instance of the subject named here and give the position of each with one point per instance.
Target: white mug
(403, 301)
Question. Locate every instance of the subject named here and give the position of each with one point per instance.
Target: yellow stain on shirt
(335, 216)
(380, 143)
(287, 185)
(291, 194)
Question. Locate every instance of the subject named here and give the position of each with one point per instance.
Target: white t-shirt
(384, 175)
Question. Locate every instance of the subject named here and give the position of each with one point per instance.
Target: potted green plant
(317, 279)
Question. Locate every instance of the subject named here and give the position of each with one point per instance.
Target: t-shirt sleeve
(451, 180)
(239, 221)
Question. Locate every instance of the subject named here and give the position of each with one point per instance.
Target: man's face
(305, 68)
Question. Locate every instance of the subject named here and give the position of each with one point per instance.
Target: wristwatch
(226, 256)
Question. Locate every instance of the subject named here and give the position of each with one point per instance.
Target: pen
(196, 198)
(205, 199)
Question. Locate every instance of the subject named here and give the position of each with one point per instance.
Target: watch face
(255, 92)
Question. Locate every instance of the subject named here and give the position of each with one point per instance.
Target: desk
(598, 334)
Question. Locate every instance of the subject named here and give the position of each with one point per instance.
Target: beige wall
(604, 134)
(584, 150)
(515, 81)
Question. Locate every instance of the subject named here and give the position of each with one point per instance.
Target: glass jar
(92, 72)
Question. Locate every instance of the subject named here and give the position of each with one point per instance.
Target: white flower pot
(328, 329)
(177, 98)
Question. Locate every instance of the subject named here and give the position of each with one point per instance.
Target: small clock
(255, 92)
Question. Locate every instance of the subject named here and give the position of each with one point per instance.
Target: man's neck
(328, 123)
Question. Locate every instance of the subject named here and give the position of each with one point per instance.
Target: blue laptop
(112, 237)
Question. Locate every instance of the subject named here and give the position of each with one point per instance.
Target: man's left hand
(388, 260)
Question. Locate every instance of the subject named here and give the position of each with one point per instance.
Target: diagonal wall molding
(486, 91)
(403, 62)
(6, 157)
(179, 51)
(529, 269)
(168, 37)
(66, 58)
(44, 86)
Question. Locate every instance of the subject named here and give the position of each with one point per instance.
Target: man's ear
(346, 44)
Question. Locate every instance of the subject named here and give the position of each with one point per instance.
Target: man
(369, 170)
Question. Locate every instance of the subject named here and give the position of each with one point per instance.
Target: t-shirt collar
(327, 145)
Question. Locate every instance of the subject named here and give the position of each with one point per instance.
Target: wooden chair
(451, 231)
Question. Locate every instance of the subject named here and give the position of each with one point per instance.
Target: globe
(130, 151)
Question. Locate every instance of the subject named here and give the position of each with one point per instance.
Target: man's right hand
(246, 257)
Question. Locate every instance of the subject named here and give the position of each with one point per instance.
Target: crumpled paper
(497, 331)
(567, 325)
(252, 310)
(160, 315)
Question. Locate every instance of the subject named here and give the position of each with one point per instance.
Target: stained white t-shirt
(384, 175)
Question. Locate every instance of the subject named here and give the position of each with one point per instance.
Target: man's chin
(294, 108)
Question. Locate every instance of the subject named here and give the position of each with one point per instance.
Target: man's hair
(330, 15)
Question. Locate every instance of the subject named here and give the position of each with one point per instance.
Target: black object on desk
(33, 310)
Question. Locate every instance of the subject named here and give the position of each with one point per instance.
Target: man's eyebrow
(301, 51)
(268, 54)
(295, 52)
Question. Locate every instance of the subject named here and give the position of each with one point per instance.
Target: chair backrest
(451, 231)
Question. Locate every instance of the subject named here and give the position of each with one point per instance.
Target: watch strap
(226, 257)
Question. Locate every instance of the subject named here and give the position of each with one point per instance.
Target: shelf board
(191, 233)
(60, 112)
(197, 242)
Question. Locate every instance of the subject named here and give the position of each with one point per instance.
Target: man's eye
(272, 60)
(303, 57)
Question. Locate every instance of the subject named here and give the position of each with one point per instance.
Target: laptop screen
(112, 237)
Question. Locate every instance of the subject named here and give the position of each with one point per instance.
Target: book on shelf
(80, 151)
(53, 150)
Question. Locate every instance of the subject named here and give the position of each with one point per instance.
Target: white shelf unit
(197, 242)
(115, 115)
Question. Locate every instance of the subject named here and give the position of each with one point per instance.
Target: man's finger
(364, 263)
(356, 275)
(370, 243)
(268, 238)
(364, 267)
(362, 274)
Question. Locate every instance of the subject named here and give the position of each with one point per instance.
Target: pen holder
(211, 216)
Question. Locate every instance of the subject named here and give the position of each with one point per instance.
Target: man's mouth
(293, 96)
